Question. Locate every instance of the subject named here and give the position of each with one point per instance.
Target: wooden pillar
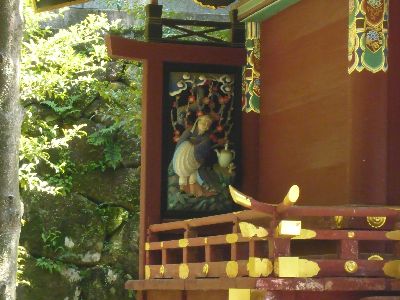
(237, 30)
(150, 186)
(153, 29)
(393, 177)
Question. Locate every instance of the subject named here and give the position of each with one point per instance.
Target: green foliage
(49, 264)
(64, 74)
(35, 151)
(52, 240)
(22, 256)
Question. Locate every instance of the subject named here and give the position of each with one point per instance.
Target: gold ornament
(376, 222)
(351, 266)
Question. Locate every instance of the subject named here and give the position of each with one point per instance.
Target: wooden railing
(192, 31)
(281, 240)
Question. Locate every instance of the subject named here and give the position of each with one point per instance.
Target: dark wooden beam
(119, 47)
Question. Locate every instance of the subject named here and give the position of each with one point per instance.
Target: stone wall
(84, 246)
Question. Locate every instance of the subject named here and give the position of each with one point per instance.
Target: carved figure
(191, 151)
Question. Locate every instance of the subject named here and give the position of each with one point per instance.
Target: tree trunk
(10, 127)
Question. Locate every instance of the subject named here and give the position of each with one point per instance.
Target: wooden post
(237, 30)
(235, 230)
(349, 249)
(153, 30)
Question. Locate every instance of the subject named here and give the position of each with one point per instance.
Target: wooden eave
(256, 10)
(119, 47)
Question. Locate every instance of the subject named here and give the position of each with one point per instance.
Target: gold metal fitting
(249, 230)
(147, 272)
(351, 266)
(295, 267)
(231, 238)
(351, 234)
(289, 228)
(183, 243)
(392, 269)
(258, 267)
(393, 235)
(162, 270)
(183, 271)
(305, 234)
(206, 268)
(239, 198)
(375, 257)
(232, 269)
(147, 246)
(292, 196)
(338, 221)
